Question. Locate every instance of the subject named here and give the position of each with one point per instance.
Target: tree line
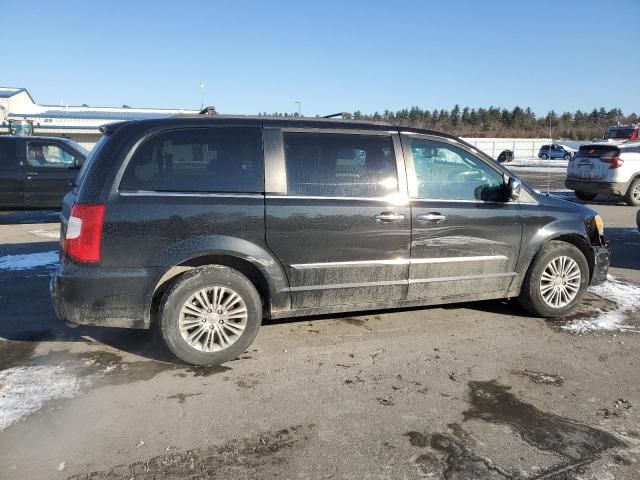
(499, 122)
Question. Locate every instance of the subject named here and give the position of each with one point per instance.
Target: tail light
(84, 232)
(614, 162)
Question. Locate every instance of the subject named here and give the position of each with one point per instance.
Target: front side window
(340, 165)
(49, 155)
(446, 172)
(221, 159)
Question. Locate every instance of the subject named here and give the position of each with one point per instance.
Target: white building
(78, 123)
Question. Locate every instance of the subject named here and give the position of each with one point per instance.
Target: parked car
(506, 156)
(555, 151)
(37, 172)
(623, 133)
(606, 168)
(204, 225)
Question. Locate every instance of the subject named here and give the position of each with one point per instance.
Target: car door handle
(432, 217)
(386, 217)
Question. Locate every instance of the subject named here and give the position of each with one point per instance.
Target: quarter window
(48, 155)
(340, 165)
(446, 172)
(198, 160)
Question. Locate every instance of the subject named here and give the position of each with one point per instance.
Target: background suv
(555, 151)
(606, 168)
(205, 225)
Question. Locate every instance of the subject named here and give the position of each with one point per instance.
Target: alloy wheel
(213, 318)
(560, 282)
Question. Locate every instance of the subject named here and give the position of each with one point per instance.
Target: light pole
(299, 108)
(201, 95)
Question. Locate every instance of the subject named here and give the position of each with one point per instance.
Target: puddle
(234, 459)
(576, 444)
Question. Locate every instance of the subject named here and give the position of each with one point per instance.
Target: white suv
(606, 168)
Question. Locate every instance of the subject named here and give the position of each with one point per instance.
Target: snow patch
(46, 233)
(625, 297)
(28, 261)
(538, 162)
(24, 390)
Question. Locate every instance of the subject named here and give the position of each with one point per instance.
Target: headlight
(599, 224)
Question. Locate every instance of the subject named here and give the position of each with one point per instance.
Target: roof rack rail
(208, 111)
(333, 115)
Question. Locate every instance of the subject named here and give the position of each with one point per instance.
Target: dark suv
(208, 224)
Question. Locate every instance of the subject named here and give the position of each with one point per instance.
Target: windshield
(619, 133)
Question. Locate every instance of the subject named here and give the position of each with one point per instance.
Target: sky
(332, 56)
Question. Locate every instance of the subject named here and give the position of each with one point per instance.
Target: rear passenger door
(337, 216)
(49, 171)
(466, 233)
(11, 186)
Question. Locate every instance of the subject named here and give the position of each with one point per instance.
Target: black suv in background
(37, 172)
(208, 224)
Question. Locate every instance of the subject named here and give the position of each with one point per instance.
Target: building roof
(119, 114)
(8, 92)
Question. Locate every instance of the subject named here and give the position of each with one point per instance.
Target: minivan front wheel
(556, 281)
(210, 315)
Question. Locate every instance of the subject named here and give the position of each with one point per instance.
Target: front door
(335, 216)
(466, 235)
(48, 173)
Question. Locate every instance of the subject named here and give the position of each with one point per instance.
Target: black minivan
(37, 172)
(205, 225)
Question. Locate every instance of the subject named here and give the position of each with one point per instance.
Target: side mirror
(513, 189)
(77, 162)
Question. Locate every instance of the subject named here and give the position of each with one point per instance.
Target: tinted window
(447, 172)
(340, 165)
(49, 155)
(198, 160)
(8, 157)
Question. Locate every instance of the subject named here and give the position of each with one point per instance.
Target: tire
(585, 196)
(531, 294)
(567, 157)
(219, 337)
(544, 156)
(632, 197)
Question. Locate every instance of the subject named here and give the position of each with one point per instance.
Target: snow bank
(28, 261)
(625, 298)
(538, 162)
(24, 390)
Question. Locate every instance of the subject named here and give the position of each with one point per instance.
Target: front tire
(544, 156)
(632, 197)
(556, 281)
(210, 315)
(585, 196)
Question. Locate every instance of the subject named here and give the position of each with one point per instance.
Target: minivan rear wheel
(210, 315)
(585, 196)
(556, 281)
(632, 196)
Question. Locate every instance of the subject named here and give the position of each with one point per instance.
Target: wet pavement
(474, 391)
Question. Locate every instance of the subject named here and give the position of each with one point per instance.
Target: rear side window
(198, 160)
(8, 157)
(340, 165)
(597, 151)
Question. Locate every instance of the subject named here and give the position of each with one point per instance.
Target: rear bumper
(590, 186)
(102, 297)
(601, 255)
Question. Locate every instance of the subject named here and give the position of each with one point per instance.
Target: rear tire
(632, 197)
(585, 196)
(567, 157)
(556, 281)
(544, 156)
(210, 315)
